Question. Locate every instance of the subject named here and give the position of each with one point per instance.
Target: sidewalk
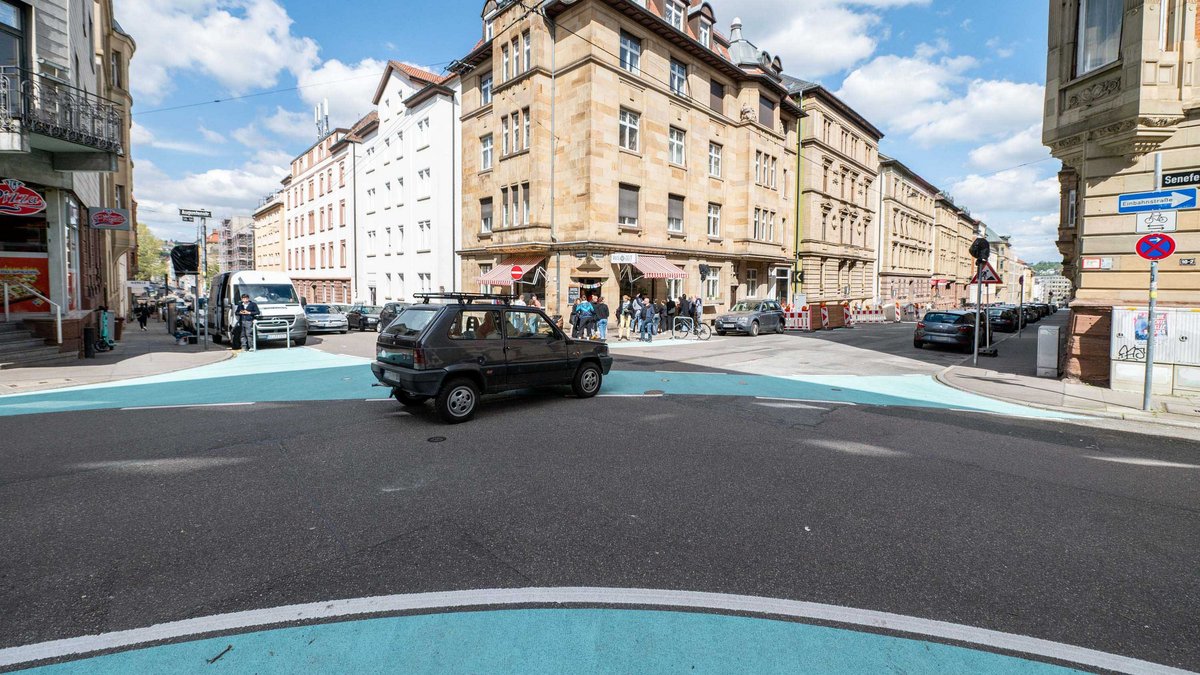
(138, 354)
(1011, 377)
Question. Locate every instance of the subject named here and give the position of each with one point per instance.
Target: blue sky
(955, 85)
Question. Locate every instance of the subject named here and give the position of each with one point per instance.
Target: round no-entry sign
(517, 272)
(1155, 246)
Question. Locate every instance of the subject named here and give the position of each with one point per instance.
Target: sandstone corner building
(612, 148)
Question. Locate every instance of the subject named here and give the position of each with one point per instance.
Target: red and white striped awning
(657, 267)
(501, 275)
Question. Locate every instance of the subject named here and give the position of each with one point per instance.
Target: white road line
(378, 399)
(641, 597)
(790, 405)
(187, 405)
(1143, 461)
(802, 400)
(629, 395)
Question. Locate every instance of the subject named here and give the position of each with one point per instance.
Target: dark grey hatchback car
(469, 345)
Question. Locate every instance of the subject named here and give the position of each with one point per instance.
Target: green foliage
(152, 260)
(1047, 267)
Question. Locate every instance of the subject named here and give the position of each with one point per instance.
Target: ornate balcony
(35, 104)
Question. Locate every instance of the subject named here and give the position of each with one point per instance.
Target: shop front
(522, 275)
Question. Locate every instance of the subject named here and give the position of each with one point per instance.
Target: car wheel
(409, 400)
(721, 333)
(587, 380)
(917, 344)
(457, 401)
(299, 342)
(343, 332)
(754, 329)
(779, 327)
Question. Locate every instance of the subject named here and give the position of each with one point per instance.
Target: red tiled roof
(417, 73)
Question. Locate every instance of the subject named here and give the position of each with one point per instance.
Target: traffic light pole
(202, 277)
(978, 308)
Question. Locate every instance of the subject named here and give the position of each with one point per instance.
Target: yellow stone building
(611, 147)
(269, 249)
(1120, 86)
(952, 262)
(838, 209)
(907, 237)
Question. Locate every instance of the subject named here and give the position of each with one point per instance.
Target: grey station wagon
(751, 317)
(457, 350)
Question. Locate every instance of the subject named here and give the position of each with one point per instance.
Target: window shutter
(485, 208)
(629, 202)
(766, 111)
(716, 96)
(675, 207)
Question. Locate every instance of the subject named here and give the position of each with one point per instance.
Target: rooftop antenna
(321, 117)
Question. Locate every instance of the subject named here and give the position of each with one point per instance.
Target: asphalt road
(122, 519)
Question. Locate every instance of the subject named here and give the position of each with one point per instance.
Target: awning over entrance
(501, 275)
(657, 267)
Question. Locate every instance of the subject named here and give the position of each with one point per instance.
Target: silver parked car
(751, 317)
(325, 318)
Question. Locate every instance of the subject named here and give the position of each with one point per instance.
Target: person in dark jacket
(660, 316)
(670, 313)
(647, 321)
(601, 308)
(143, 315)
(245, 313)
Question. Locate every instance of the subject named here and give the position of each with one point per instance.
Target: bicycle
(685, 326)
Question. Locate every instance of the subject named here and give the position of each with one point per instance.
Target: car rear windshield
(940, 317)
(411, 321)
(269, 293)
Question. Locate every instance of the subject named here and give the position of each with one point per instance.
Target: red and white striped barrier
(797, 320)
(869, 316)
(824, 316)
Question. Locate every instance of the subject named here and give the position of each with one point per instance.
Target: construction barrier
(869, 316)
(798, 320)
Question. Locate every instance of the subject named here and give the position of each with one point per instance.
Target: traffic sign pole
(1148, 384)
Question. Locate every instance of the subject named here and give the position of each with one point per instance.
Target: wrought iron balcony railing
(38, 104)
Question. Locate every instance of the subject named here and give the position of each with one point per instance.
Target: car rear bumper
(938, 339)
(422, 382)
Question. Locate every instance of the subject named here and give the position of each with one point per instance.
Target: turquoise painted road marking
(304, 374)
(556, 641)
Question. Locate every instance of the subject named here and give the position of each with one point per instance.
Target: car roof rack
(465, 298)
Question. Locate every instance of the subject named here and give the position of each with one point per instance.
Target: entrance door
(536, 350)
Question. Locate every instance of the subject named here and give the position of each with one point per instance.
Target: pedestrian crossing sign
(990, 278)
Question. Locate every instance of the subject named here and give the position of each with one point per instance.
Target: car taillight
(965, 329)
(920, 324)
(418, 358)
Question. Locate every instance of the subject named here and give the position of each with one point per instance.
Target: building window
(766, 111)
(342, 254)
(516, 131)
(627, 207)
(1099, 40)
(751, 282)
(485, 214)
(525, 203)
(423, 184)
(629, 124)
(675, 13)
(504, 63)
(504, 222)
(504, 135)
(119, 196)
(712, 284)
(516, 57)
(342, 213)
(674, 213)
(424, 232)
(716, 96)
(489, 30)
(705, 34)
(115, 62)
(631, 53)
(485, 152)
(714, 220)
(678, 78)
(714, 159)
(525, 48)
(675, 145)
(525, 126)
(514, 194)
(341, 174)
(485, 88)
(1072, 196)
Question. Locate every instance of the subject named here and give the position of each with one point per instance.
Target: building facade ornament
(1093, 93)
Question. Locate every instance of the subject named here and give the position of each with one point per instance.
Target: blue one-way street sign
(1165, 200)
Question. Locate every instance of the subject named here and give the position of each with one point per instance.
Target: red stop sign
(517, 272)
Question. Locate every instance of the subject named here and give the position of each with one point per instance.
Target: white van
(276, 297)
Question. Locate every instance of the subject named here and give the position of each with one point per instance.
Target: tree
(151, 260)
(1047, 267)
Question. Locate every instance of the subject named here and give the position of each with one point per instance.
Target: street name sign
(1155, 221)
(990, 278)
(1177, 179)
(1164, 200)
(1154, 247)
(196, 213)
(187, 219)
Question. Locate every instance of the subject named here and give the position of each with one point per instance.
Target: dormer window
(674, 13)
(705, 34)
(489, 30)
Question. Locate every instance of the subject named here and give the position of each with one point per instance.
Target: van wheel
(299, 342)
(409, 400)
(587, 381)
(457, 401)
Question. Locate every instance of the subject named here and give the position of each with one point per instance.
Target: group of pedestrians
(589, 318)
(649, 316)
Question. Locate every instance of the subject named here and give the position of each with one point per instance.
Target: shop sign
(624, 258)
(31, 270)
(17, 199)
(110, 219)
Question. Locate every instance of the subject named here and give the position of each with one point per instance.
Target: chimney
(735, 30)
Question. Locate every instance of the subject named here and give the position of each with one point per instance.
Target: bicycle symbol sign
(1155, 221)
(1155, 246)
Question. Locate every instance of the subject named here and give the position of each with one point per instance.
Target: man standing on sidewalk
(601, 308)
(246, 312)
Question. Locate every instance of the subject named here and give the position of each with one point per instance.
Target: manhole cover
(436, 439)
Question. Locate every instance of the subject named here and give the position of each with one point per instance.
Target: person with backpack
(647, 322)
(586, 318)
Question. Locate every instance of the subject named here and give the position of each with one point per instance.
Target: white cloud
(891, 88)
(210, 135)
(141, 136)
(989, 108)
(225, 192)
(999, 48)
(251, 137)
(349, 89)
(1020, 189)
(291, 124)
(242, 44)
(1024, 146)
(1033, 238)
(812, 38)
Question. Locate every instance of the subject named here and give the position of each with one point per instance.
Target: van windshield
(411, 321)
(271, 293)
